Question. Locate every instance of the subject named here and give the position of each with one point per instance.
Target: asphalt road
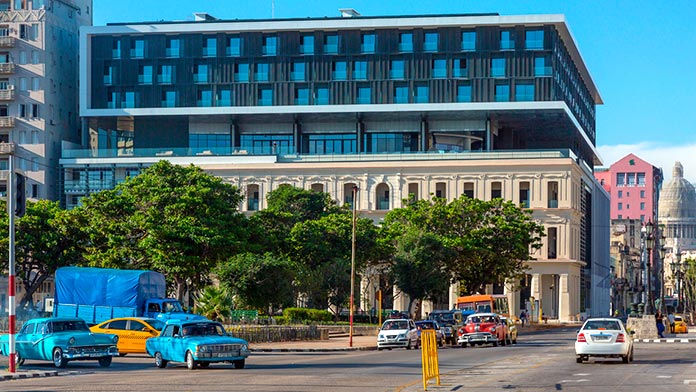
(542, 362)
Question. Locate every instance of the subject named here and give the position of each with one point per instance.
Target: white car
(604, 337)
(398, 333)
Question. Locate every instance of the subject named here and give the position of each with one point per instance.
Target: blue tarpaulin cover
(107, 287)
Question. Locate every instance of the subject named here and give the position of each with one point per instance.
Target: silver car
(397, 333)
(604, 337)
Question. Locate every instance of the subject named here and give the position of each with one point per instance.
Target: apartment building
(400, 106)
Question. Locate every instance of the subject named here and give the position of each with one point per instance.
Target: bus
(484, 303)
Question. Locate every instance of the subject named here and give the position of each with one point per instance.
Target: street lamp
(662, 274)
(648, 242)
(678, 275)
(352, 268)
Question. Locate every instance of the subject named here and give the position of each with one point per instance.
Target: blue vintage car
(60, 339)
(197, 343)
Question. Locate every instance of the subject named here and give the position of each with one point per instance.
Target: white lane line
(586, 374)
(687, 382)
(664, 376)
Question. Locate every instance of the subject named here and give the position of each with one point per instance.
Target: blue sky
(640, 54)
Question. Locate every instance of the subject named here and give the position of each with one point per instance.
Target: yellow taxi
(680, 325)
(132, 332)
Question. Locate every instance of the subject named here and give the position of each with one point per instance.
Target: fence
(274, 333)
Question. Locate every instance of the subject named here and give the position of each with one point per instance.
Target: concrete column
(400, 300)
(453, 295)
(536, 292)
(564, 306)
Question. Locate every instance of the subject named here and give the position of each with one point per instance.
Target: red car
(483, 328)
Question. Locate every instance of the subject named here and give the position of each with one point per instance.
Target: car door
(413, 332)
(24, 344)
(139, 332)
(119, 327)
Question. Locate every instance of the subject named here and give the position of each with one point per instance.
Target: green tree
(259, 281)
(174, 219)
(45, 239)
(215, 303)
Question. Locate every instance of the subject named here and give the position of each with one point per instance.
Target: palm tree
(214, 303)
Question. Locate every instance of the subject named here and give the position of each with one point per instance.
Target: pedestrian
(670, 317)
(660, 325)
(523, 318)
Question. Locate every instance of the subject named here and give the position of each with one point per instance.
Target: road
(542, 362)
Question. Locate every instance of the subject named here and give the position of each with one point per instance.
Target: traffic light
(20, 195)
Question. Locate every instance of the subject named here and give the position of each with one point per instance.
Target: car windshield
(446, 318)
(677, 318)
(156, 324)
(425, 325)
(611, 325)
(63, 326)
(481, 319)
(395, 325)
(171, 306)
(203, 329)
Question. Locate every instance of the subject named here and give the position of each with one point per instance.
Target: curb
(309, 350)
(27, 374)
(666, 340)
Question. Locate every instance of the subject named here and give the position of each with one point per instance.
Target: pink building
(634, 187)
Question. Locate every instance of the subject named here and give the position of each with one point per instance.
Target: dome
(677, 197)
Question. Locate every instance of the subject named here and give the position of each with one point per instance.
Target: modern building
(409, 106)
(39, 87)
(634, 186)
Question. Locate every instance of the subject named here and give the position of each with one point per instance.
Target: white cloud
(663, 156)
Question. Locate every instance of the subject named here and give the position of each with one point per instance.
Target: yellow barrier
(431, 367)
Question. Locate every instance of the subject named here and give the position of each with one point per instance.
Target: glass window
(270, 45)
(22, 57)
(241, 72)
(321, 96)
(224, 97)
(200, 73)
(166, 74)
(234, 47)
(397, 69)
(108, 74)
(401, 94)
(439, 68)
(459, 68)
(524, 92)
(298, 71)
(145, 74)
(502, 92)
(205, 98)
(620, 179)
(542, 66)
(641, 178)
(307, 44)
(173, 48)
(205, 141)
(642, 205)
(620, 206)
(23, 84)
(368, 43)
(331, 44)
(498, 67)
(128, 99)
(506, 41)
(642, 193)
(468, 40)
(360, 70)
(406, 42)
(430, 42)
(265, 97)
(302, 96)
(116, 49)
(464, 93)
(168, 99)
(631, 179)
(137, 50)
(364, 95)
(35, 84)
(262, 72)
(34, 57)
(331, 143)
(209, 47)
(112, 100)
(534, 39)
(267, 144)
(390, 142)
(620, 194)
(421, 94)
(340, 70)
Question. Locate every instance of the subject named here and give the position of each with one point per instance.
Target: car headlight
(71, 341)
(245, 347)
(493, 329)
(401, 336)
(115, 339)
(380, 336)
(203, 349)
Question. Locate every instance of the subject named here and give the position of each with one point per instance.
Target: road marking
(687, 382)
(664, 376)
(581, 374)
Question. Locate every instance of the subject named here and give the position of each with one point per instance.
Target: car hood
(393, 331)
(214, 340)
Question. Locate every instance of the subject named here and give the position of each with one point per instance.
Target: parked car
(132, 332)
(604, 337)
(196, 343)
(483, 328)
(433, 325)
(397, 333)
(680, 325)
(450, 321)
(512, 330)
(60, 340)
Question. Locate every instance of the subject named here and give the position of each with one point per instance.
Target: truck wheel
(105, 361)
(495, 343)
(239, 364)
(159, 361)
(58, 360)
(190, 362)
(463, 344)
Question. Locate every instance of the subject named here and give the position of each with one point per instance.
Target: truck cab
(167, 308)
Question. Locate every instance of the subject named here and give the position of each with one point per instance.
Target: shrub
(307, 315)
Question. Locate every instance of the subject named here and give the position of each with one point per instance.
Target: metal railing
(274, 333)
(7, 42)
(6, 68)
(7, 122)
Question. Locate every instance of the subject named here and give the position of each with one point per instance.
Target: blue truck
(99, 294)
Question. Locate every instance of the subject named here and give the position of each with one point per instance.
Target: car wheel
(463, 344)
(408, 345)
(159, 361)
(239, 364)
(440, 343)
(504, 341)
(190, 362)
(204, 364)
(105, 361)
(19, 361)
(578, 359)
(417, 346)
(379, 348)
(514, 341)
(122, 354)
(495, 344)
(631, 357)
(624, 358)
(58, 360)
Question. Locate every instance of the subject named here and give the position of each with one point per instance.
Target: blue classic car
(197, 343)
(61, 339)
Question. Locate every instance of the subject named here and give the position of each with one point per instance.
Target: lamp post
(662, 274)
(649, 243)
(677, 273)
(352, 269)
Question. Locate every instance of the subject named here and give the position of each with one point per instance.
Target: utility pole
(7, 149)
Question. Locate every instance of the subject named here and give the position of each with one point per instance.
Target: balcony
(6, 68)
(7, 42)
(7, 122)
(7, 94)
